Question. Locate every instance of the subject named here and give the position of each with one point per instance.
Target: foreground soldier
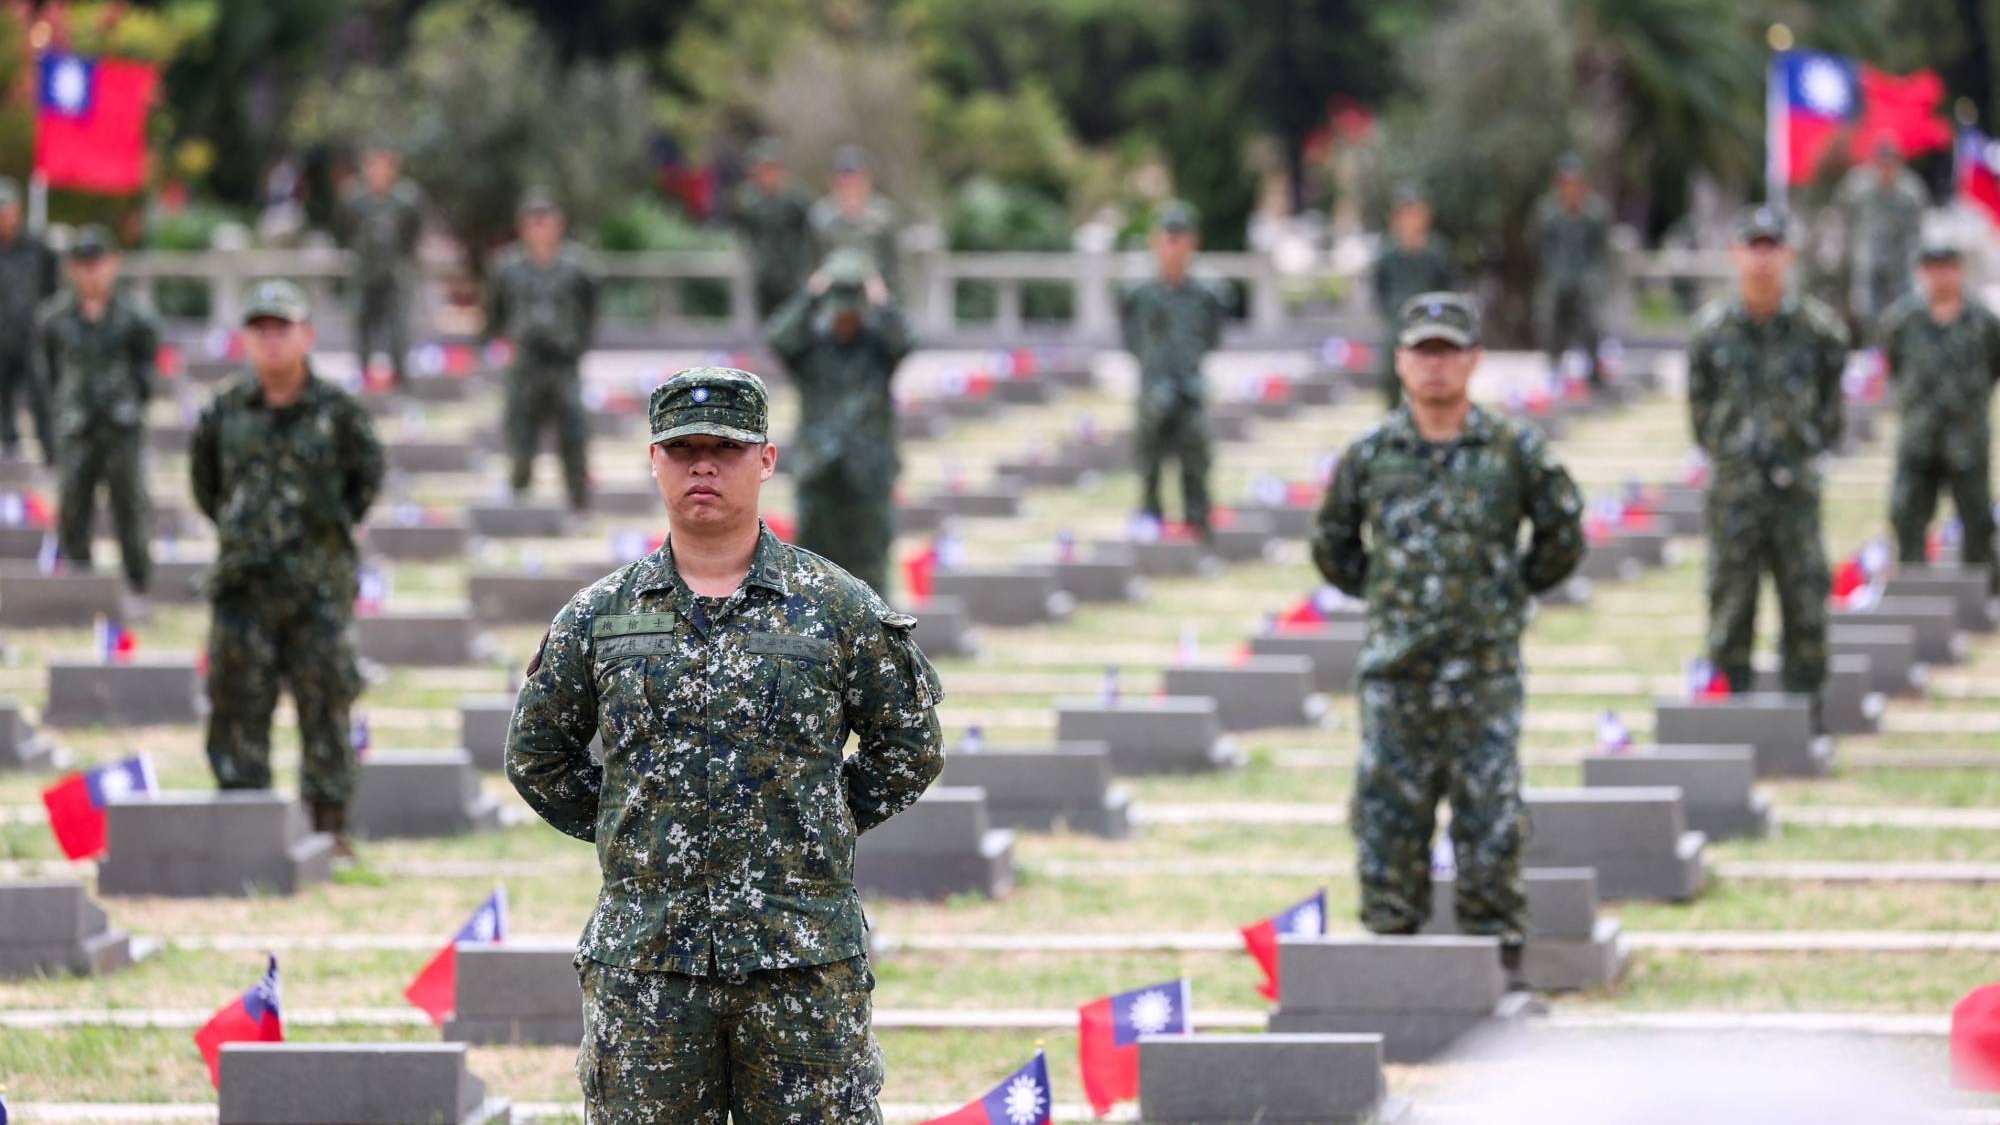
(1413, 261)
(286, 465)
(1943, 351)
(1169, 324)
(769, 215)
(725, 970)
(843, 337)
(27, 278)
(96, 352)
(381, 221)
(1423, 520)
(1764, 396)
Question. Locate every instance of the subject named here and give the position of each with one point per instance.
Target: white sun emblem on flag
(484, 925)
(117, 783)
(1152, 1012)
(1025, 1101)
(69, 86)
(1825, 88)
(1306, 921)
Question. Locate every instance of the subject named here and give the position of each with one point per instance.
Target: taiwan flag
(1108, 1037)
(1023, 1098)
(1307, 919)
(90, 122)
(76, 804)
(435, 989)
(250, 1018)
(1975, 1040)
(1818, 101)
(1976, 172)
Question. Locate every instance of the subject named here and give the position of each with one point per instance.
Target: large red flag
(90, 122)
(1818, 100)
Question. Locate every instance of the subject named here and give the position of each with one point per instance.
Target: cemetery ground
(1872, 898)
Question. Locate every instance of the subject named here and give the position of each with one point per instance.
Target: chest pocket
(635, 666)
(804, 700)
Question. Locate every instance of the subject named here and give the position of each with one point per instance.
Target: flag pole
(38, 203)
(1777, 141)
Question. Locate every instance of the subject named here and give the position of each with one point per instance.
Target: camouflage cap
(1176, 217)
(1451, 317)
(1407, 192)
(92, 241)
(718, 401)
(10, 191)
(537, 201)
(849, 267)
(850, 158)
(764, 150)
(1763, 223)
(1938, 248)
(1569, 164)
(276, 299)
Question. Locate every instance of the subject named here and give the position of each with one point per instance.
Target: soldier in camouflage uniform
(770, 218)
(1169, 324)
(96, 349)
(1765, 399)
(543, 298)
(1573, 245)
(1423, 520)
(842, 337)
(1943, 352)
(27, 278)
(1883, 205)
(1413, 260)
(854, 216)
(381, 221)
(285, 464)
(725, 970)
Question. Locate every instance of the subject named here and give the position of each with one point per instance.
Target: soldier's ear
(769, 456)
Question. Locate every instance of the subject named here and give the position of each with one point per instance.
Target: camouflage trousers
(1180, 433)
(1913, 500)
(1569, 320)
(1871, 291)
(259, 640)
(1425, 741)
(544, 396)
(778, 1047)
(850, 522)
(19, 381)
(381, 324)
(114, 459)
(1752, 531)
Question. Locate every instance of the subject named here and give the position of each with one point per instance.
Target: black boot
(1517, 980)
(330, 817)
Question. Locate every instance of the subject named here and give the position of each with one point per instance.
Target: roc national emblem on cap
(718, 401)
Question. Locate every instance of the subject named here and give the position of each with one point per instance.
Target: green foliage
(647, 224)
(988, 215)
(1020, 137)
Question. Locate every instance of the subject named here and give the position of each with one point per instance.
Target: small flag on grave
(1307, 919)
(918, 570)
(1612, 737)
(1975, 1040)
(249, 1018)
(358, 735)
(1706, 682)
(1110, 685)
(76, 804)
(113, 643)
(435, 988)
(1108, 1031)
(1022, 1098)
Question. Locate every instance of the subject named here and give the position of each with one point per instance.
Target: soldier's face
(277, 347)
(378, 171)
(93, 277)
(1411, 223)
(852, 189)
(1762, 264)
(768, 174)
(1436, 372)
(541, 232)
(1943, 280)
(1570, 188)
(10, 219)
(710, 482)
(1173, 250)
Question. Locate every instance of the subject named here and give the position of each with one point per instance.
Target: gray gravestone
(1230, 421)
(522, 993)
(1934, 618)
(944, 628)
(1244, 537)
(1019, 595)
(943, 845)
(1067, 787)
(171, 520)
(1649, 547)
(1320, 388)
(1718, 784)
(1288, 520)
(201, 845)
(1254, 693)
(148, 691)
(1848, 702)
(419, 542)
(1150, 734)
(352, 1084)
(921, 421)
(532, 599)
(1778, 725)
(21, 543)
(1024, 390)
(179, 581)
(1637, 839)
(32, 600)
(1609, 560)
(971, 408)
(435, 639)
(1036, 470)
(1967, 586)
(526, 519)
(1683, 509)
(21, 746)
(1264, 1080)
(1891, 650)
(999, 499)
(1334, 649)
(1162, 558)
(431, 456)
(920, 517)
(53, 927)
(483, 722)
(1100, 579)
(1570, 948)
(418, 794)
(1419, 993)
(642, 499)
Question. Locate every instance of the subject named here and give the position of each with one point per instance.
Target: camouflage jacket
(382, 230)
(1430, 535)
(873, 231)
(777, 237)
(1573, 249)
(1765, 397)
(1944, 376)
(1401, 274)
(846, 413)
(1884, 222)
(27, 278)
(99, 372)
(724, 813)
(1169, 328)
(549, 313)
(285, 488)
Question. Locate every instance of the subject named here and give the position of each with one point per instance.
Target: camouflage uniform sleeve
(587, 286)
(412, 233)
(143, 355)
(789, 331)
(892, 334)
(1555, 512)
(205, 463)
(1218, 313)
(1129, 303)
(1992, 343)
(1378, 279)
(1887, 330)
(496, 303)
(548, 740)
(48, 272)
(1832, 360)
(1703, 380)
(42, 353)
(892, 698)
(1337, 548)
(364, 464)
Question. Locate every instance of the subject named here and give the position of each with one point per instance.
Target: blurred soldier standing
(842, 337)
(1169, 324)
(853, 215)
(1573, 245)
(770, 216)
(1764, 395)
(1413, 260)
(1883, 205)
(543, 298)
(286, 465)
(725, 968)
(381, 221)
(1423, 520)
(27, 278)
(96, 351)
(1943, 353)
